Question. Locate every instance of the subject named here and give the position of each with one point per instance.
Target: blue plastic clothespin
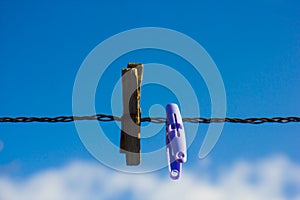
(175, 140)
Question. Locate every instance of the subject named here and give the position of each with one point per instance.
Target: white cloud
(273, 178)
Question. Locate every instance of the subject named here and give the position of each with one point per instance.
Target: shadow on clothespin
(131, 118)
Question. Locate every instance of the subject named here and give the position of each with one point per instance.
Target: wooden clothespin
(131, 118)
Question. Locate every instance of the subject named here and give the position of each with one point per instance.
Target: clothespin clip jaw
(173, 165)
(175, 140)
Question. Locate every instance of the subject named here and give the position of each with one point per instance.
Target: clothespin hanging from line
(131, 118)
(175, 141)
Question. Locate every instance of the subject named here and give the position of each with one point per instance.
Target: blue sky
(255, 46)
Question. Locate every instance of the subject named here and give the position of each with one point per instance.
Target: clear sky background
(255, 45)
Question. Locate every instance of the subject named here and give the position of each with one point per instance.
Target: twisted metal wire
(158, 120)
(99, 117)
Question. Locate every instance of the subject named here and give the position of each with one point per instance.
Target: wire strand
(157, 120)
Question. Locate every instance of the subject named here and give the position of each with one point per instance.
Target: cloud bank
(275, 178)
